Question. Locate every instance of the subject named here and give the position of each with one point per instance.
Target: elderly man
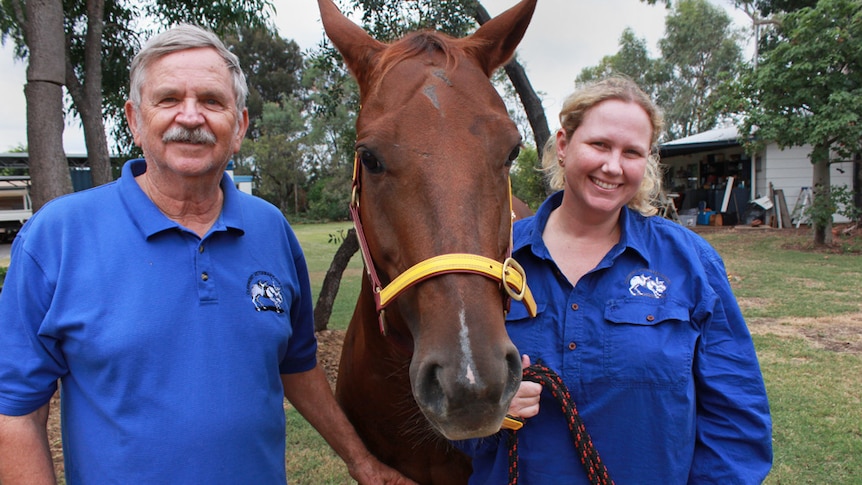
(174, 310)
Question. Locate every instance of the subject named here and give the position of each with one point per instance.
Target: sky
(564, 37)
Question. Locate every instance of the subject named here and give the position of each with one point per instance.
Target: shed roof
(701, 142)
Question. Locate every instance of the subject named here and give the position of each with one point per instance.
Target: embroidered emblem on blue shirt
(647, 283)
(265, 291)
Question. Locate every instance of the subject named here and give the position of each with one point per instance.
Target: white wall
(790, 169)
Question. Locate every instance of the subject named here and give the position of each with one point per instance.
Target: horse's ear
(357, 47)
(499, 36)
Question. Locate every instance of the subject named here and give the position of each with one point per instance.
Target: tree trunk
(857, 181)
(49, 169)
(329, 290)
(531, 101)
(87, 95)
(822, 184)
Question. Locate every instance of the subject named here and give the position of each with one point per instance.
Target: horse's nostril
(430, 389)
(513, 361)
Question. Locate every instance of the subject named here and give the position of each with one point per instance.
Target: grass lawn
(804, 309)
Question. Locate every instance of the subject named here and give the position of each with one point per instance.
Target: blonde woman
(635, 315)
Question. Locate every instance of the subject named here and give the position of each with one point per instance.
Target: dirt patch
(55, 440)
(329, 352)
(841, 333)
(846, 238)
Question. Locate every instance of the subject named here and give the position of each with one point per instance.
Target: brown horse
(426, 356)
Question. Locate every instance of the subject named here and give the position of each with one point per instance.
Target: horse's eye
(372, 164)
(513, 155)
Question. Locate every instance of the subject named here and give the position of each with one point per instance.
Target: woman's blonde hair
(572, 115)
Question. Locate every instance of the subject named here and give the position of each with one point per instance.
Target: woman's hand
(525, 404)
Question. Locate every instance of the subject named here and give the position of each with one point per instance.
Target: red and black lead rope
(596, 470)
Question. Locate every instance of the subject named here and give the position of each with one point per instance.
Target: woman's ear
(562, 145)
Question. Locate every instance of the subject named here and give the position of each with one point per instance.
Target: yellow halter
(509, 273)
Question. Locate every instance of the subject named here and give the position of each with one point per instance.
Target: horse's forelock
(418, 43)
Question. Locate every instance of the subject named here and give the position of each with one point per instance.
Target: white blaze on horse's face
(466, 353)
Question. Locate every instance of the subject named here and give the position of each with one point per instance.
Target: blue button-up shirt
(659, 361)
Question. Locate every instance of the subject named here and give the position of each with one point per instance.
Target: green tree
(100, 37)
(334, 103)
(272, 65)
(807, 90)
(275, 156)
(527, 180)
(631, 60)
(700, 50)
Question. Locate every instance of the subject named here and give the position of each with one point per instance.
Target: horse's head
(434, 146)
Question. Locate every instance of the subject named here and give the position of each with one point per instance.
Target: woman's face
(605, 158)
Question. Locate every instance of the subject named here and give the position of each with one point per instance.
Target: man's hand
(370, 471)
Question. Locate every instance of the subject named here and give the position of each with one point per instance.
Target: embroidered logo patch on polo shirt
(647, 283)
(265, 292)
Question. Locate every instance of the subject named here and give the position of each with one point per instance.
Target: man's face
(188, 124)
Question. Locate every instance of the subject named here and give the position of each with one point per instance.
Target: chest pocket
(648, 344)
(526, 332)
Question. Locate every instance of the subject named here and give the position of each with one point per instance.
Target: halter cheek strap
(509, 273)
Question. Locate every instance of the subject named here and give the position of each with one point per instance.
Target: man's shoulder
(84, 205)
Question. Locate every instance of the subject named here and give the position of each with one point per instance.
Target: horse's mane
(417, 43)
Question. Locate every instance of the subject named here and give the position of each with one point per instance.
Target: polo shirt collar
(149, 219)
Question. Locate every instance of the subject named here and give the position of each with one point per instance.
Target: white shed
(698, 168)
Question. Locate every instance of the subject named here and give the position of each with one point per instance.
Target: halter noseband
(509, 273)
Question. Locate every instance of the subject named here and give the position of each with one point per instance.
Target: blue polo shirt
(659, 361)
(169, 347)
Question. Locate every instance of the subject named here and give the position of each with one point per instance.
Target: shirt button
(205, 276)
(572, 346)
(201, 248)
(650, 318)
(575, 306)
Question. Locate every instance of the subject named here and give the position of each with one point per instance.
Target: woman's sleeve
(734, 427)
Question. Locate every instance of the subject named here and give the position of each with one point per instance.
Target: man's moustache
(198, 136)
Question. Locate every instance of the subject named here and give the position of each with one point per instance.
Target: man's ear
(241, 129)
(132, 120)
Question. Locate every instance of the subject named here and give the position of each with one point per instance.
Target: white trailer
(15, 205)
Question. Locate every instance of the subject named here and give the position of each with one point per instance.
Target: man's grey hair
(180, 38)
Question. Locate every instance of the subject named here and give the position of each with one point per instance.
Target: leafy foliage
(699, 52)
(125, 25)
(272, 65)
(838, 200)
(387, 20)
(527, 177)
(632, 60)
(275, 156)
(807, 90)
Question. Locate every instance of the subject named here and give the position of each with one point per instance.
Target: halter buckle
(515, 266)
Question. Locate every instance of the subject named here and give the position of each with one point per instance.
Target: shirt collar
(150, 220)
(633, 235)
